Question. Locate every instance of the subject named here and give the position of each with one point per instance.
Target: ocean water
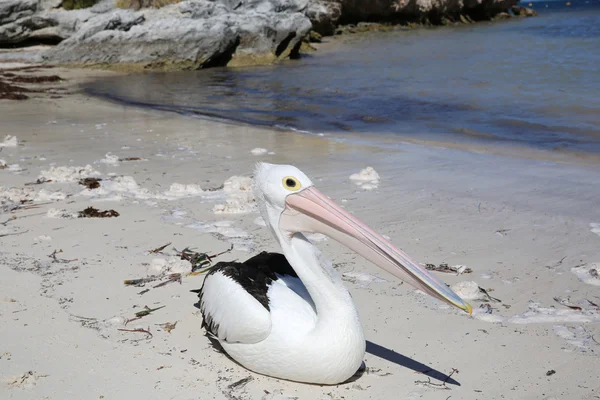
(532, 82)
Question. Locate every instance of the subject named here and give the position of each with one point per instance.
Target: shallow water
(533, 81)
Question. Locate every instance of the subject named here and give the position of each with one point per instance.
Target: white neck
(332, 300)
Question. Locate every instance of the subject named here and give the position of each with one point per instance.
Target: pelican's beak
(311, 211)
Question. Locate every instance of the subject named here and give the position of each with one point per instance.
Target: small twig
(141, 281)
(240, 383)
(146, 331)
(159, 249)
(438, 385)
(8, 220)
(39, 181)
(482, 290)
(172, 278)
(86, 318)
(59, 260)
(13, 234)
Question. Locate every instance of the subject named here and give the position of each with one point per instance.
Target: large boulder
(324, 15)
(189, 35)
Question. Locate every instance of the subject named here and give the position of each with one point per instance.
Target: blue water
(533, 81)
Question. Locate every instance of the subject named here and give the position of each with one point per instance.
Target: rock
(502, 15)
(12, 10)
(189, 35)
(324, 15)
(521, 11)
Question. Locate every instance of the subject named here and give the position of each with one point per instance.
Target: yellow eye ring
(291, 183)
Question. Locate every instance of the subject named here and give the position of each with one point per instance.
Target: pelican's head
(290, 204)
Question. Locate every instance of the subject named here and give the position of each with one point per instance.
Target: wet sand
(520, 224)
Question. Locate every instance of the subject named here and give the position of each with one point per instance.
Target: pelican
(289, 315)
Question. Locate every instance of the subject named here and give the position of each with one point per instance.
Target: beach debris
(259, 151)
(9, 141)
(557, 264)
(502, 232)
(13, 234)
(92, 212)
(143, 291)
(455, 269)
(240, 384)
(200, 261)
(90, 183)
(68, 174)
(145, 312)
(55, 259)
(159, 249)
(168, 327)
(176, 277)
(588, 273)
(141, 281)
(486, 307)
(566, 302)
(38, 181)
(139, 330)
(25, 380)
(130, 159)
(469, 290)
(239, 196)
(367, 179)
(550, 373)
(442, 385)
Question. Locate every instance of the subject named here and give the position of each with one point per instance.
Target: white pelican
(289, 316)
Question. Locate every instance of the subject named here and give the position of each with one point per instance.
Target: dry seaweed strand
(92, 212)
(90, 183)
(176, 277)
(446, 269)
(146, 331)
(200, 261)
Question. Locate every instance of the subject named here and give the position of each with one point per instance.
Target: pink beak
(311, 211)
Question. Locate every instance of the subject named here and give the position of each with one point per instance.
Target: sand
(521, 225)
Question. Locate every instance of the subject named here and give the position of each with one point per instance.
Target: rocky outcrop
(191, 34)
(437, 12)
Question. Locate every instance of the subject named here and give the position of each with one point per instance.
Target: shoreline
(520, 224)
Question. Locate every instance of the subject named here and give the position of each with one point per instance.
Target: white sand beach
(527, 228)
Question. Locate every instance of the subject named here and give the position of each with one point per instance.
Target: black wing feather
(255, 275)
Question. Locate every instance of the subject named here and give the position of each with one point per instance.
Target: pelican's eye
(291, 183)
